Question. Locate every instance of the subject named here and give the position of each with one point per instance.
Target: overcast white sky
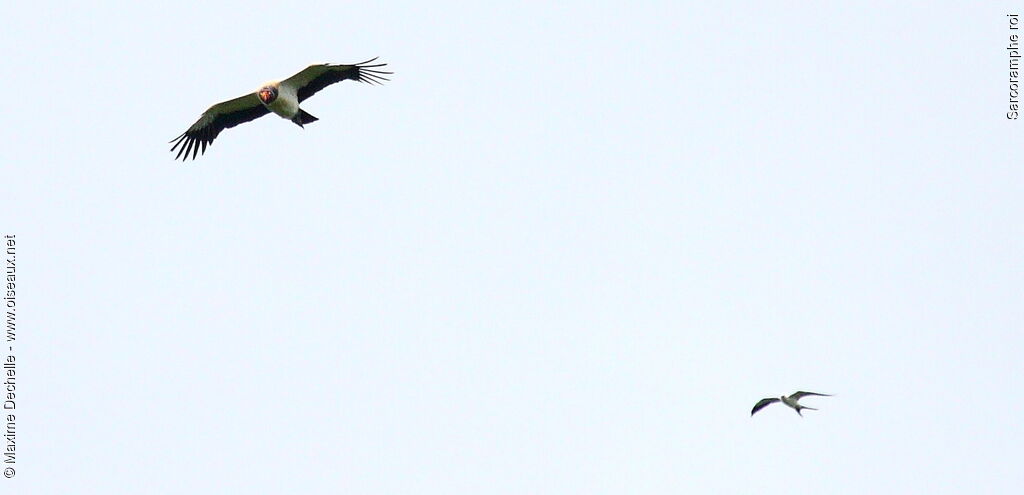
(564, 250)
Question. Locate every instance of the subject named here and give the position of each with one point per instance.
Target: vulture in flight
(280, 97)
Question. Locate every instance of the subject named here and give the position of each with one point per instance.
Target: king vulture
(280, 97)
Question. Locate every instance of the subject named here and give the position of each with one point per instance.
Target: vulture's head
(267, 94)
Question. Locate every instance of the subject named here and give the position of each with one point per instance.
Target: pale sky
(565, 250)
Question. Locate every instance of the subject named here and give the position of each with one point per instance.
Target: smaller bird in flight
(791, 401)
(279, 97)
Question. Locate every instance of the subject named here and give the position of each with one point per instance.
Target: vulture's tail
(302, 118)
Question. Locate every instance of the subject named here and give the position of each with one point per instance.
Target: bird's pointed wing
(215, 119)
(761, 404)
(316, 77)
(798, 395)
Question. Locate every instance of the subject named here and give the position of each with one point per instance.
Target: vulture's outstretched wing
(221, 116)
(316, 77)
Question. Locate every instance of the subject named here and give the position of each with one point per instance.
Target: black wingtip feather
(180, 151)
